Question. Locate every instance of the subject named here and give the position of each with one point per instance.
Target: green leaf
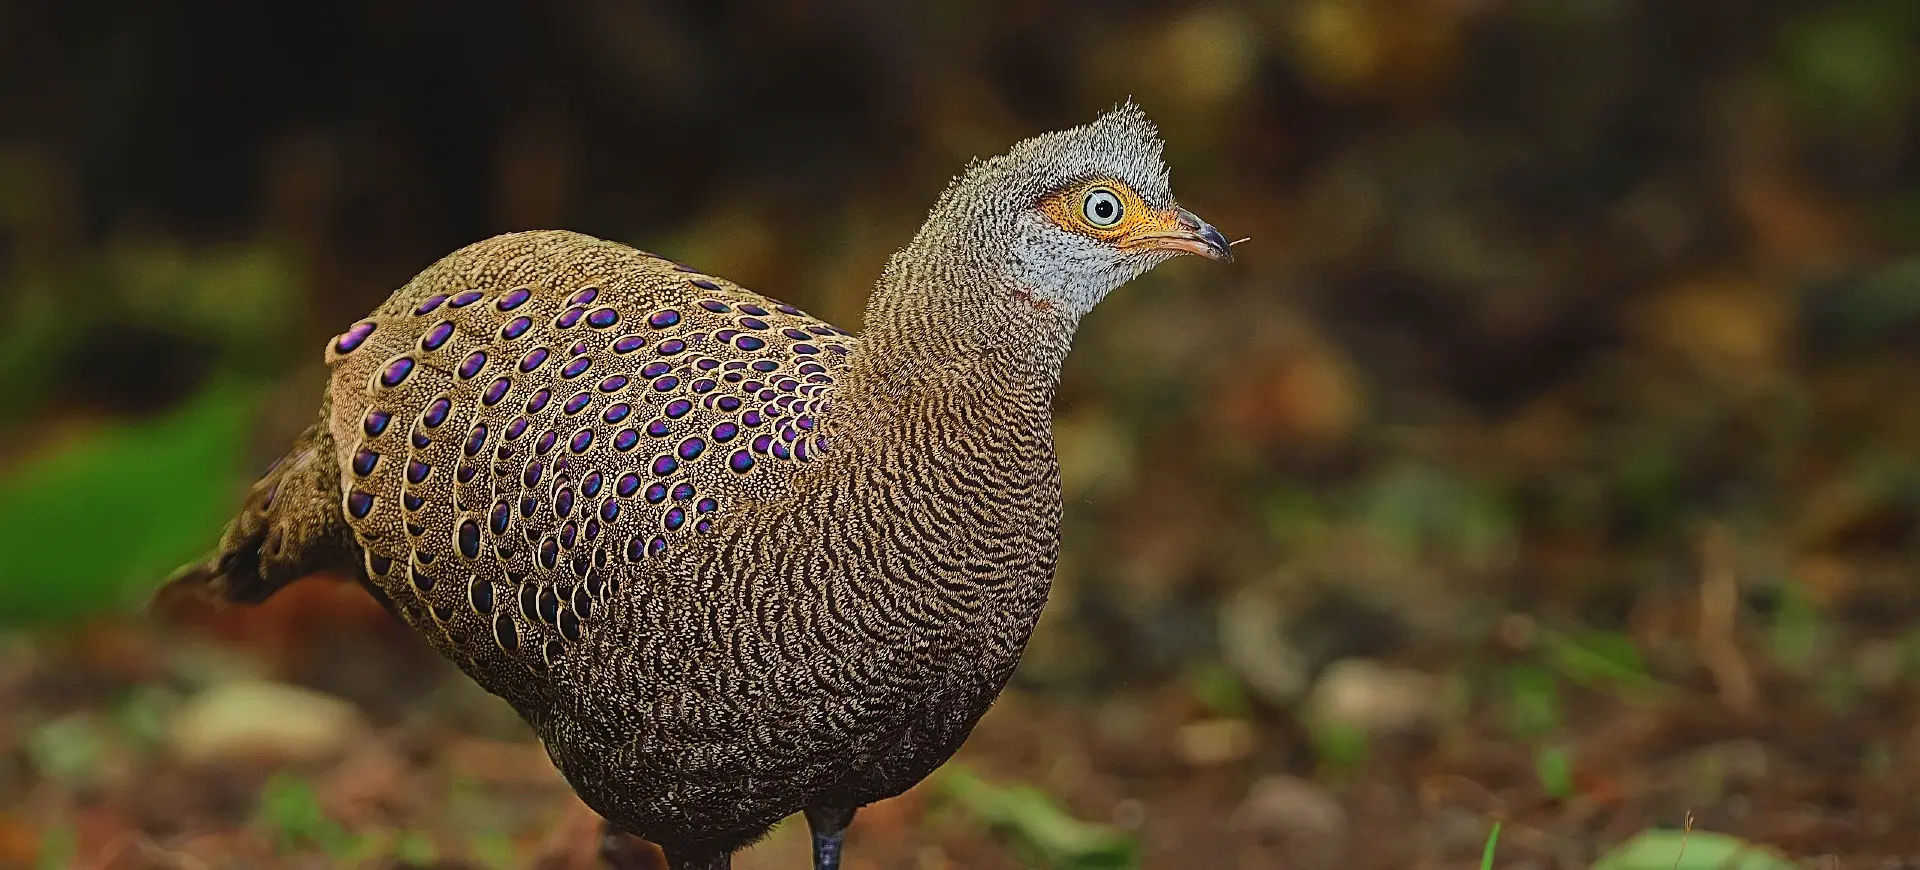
(97, 523)
(1667, 849)
(1038, 825)
(1554, 765)
(1493, 840)
(289, 813)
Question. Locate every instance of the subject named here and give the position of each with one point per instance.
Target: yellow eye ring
(1102, 208)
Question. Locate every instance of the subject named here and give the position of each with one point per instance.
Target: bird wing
(538, 411)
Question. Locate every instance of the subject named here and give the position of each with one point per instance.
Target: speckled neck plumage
(729, 561)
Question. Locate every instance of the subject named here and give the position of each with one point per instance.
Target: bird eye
(1102, 207)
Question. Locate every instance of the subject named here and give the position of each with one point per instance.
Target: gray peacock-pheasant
(729, 561)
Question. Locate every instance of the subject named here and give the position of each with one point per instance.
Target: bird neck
(937, 332)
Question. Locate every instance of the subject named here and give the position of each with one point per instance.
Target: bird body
(729, 561)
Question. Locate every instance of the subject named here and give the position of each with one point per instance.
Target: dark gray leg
(829, 827)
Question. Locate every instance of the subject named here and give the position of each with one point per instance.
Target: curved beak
(1184, 232)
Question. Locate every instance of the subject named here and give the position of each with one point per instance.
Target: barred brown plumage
(731, 562)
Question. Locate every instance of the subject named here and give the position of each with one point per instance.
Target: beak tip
(1218, 248)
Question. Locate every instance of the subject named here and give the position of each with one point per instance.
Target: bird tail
(291, 526)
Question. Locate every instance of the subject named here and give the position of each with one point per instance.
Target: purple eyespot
(725, 336)
(431, 303)
(664, 465)
(577, 367)
(538, 400)
(359, 504)
(465, 299)
(533, 359)
(656, 547)
(704, 284)
(617, 412)
(765, 365)
(659, 429)
(437, 336)
(761, 443)
(678, 408)
(364, 462)
(496, 391)
(397, 371)
(656, 493)
(532, 476)
(473, 364)
(715, 306)
(498, 519)
(568, 318)
(516, 327)
(672, 346)
(795, 334)
(666, 384)
(469, 538)
(629, 343)
(585, 296)
(376, 422)
(563, 503)
(613, 384)
(691, 449)
(741, 461)
(514, 299)
(664, 318)
(708, 505)
(753, 323)
(609, 510)
(787, 309)
(417, 471)
(436, 413)
(729, 403)
(476, 439)
(780, 450)
(704, 385)
(751, 418)
(676, 517)
(590, 487)
(724, 431)
(582, 440)
(625, 439)
(601, 318)
(753, 309)
(353, 338)
(749, 342)
(546, 442)
(577, 403)
(655, 369)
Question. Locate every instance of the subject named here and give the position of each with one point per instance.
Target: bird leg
(829, 827)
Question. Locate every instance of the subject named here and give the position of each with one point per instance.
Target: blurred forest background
(1550, 457)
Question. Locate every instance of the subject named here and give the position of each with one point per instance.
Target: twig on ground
(1719, 608)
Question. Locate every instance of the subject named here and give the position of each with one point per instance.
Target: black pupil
(1103, 208)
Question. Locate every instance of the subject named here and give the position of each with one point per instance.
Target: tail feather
(291, 526)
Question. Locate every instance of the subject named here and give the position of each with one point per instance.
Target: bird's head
(1064, 218)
